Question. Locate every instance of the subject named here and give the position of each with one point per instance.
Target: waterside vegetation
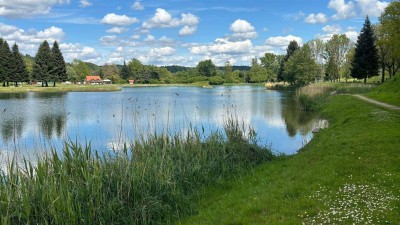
(155, 179)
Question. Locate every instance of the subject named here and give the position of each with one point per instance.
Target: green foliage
(336, 50)
(71, 74)
(388, 92)
(390, 22)
(59, 72)
(6, 63)
(81, 69)
(301, 68)
(20, 74)
(365, 61)
(290, 50)
(257, 73)
(206, 68)
(125, 72)
(156, 180)
(271, 64)
(216, 80)
(44, 64)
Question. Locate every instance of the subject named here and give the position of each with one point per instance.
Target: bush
(216, 80)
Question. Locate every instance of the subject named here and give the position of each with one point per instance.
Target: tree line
(48, 65)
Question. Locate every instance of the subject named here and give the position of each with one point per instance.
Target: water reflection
(295, 119)
(110, 119)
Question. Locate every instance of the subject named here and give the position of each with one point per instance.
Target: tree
(59, 72)
(336, 51)
(301, 68)
(81, 68)
(389, 36)
(206, 68)
(317, 47)
(125, 73)
(291, 49)
(111, 72)
(271, 64)
(42, 69)
(257, 73)
(19, 69)
(71, 74)
(136, 68)
(6, 63)
(365, 62)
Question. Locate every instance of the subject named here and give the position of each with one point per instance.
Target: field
(59, 88)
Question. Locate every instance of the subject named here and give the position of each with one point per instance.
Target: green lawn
(349, 173)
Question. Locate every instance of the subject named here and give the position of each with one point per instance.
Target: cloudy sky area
(178, 32)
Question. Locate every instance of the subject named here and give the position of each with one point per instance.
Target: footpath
(385, 105)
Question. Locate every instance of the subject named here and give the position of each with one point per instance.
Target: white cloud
(352, 35)
(76, 51)
(243, 29)
(316, 18)
(371, 7)
(118, 20)
(332, 29)
(163, 19)
(165, 51)
(283, 41)
(186, 30)
(137, 6)
(343, 10)
(117, 30)
(27, 8)
(7, 29)
(150, 38)
(85, 3)
(223, 46)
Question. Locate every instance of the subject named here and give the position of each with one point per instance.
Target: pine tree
(19, 68)
(365, 63)
(59, 71)
(125, 72)
(43, 66)
(6, 63)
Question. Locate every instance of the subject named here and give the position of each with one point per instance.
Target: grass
(60, 88)
(312, 95)
(348, 174)
(388, 92)
(154, 180)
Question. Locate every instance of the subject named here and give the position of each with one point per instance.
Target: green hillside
(388, 92)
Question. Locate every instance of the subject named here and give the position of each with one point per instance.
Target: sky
(178, 32)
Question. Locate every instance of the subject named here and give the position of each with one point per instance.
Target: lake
(34, 122)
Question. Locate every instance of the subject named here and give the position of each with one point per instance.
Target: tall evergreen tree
(365, 63)
(292, 47)
(125, 72)
(6, 63)
(43, 66)
(19, 68)
(59, 71)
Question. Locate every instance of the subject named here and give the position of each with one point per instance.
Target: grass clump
(152, 181)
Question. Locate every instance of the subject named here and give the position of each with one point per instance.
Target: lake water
(34, 122)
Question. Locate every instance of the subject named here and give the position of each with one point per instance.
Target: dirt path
(392, 107)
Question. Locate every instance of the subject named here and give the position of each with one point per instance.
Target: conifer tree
(125, 72)
(365, 63)
(6, 63)
(59, 71)
(42, 69)
(20, 73)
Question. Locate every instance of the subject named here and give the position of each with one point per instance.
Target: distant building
(93, 80)
(131, 82)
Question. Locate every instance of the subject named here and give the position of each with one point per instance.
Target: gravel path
(377, 102)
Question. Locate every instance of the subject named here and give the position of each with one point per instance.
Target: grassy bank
(348, 174)
(153, 181)
(60, 88)
(388, 92)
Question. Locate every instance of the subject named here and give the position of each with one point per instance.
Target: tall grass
(310, 96)
(154, 180)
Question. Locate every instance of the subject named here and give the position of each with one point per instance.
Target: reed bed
(153, 180)
(310, 96)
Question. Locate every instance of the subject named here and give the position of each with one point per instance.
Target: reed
(153, 180)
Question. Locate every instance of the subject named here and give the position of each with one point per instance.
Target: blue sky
(178, 32)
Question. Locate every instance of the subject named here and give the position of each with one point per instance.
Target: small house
(131, 82)
(107, 81)
(93, 80)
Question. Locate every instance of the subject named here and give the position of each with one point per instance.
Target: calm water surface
(32, 122)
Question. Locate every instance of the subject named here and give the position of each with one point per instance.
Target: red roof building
(93, 80)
